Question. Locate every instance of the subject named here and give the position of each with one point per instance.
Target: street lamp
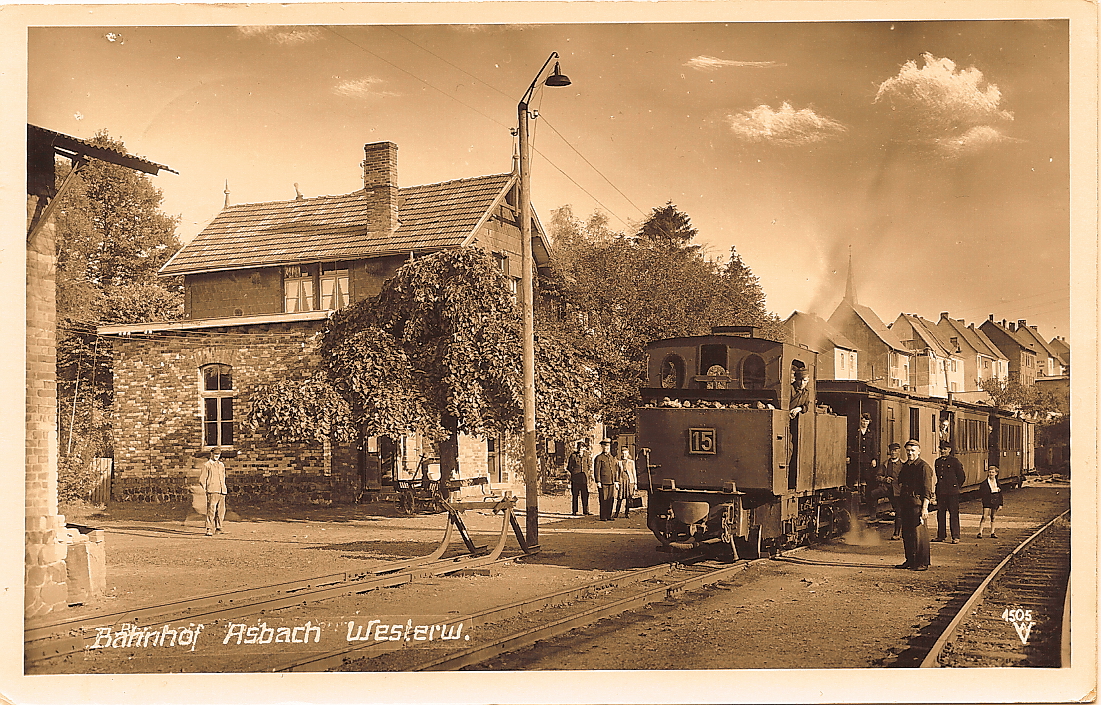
(531, 469)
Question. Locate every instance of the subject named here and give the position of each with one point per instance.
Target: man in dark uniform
(604, 472)
(866, 452)
(891, 467)
(916, 481)
(798, 403)
(887, 486)
(577, 466)
(950, 481)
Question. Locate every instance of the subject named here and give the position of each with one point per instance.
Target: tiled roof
(878, 327)
(330, 228)
(925, 332)
(804, 326)
(981, 335)
(1040, 344)
(973, 337)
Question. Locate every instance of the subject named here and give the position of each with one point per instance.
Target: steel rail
(512, 642)
(932, 659)
(335, 658)
(60, 647)
(1064, 641)
(179, 606)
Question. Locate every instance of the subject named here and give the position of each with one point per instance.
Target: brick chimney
(1021, 324)
(380, 180)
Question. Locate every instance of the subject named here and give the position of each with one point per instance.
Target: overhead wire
(506, 95)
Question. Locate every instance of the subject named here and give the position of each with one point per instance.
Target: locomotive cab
(735, 449)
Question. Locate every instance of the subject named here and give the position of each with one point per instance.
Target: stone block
(53, 553)
(86, 572)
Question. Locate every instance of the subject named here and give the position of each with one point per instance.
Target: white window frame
(220, 397)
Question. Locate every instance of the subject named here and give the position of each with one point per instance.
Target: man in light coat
(212, 478)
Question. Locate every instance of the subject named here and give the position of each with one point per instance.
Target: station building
(259, 283)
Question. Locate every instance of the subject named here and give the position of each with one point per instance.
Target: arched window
(753, 372)
(672, 372)
(217, 400)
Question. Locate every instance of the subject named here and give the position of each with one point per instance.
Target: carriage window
(672, 372)
(753, 372)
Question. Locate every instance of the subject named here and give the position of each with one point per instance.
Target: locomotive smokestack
(742, 331)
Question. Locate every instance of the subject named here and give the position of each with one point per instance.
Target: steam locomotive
(741, 444)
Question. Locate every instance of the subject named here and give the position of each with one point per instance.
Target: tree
(667, 228)
(612, 293)
(437, 351)
(111, 240)
(1029, 401)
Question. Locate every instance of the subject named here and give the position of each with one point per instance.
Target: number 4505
(1017, 615)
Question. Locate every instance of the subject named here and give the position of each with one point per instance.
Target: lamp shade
(557, 78)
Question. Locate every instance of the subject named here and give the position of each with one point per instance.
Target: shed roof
(71, 147)
(330, 228)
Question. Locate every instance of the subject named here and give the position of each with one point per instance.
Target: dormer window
(334, 286)
(298, 288)
(302, 284)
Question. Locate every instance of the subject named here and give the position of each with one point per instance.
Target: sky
(937, 153)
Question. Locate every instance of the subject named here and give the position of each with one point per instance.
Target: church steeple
(850, 288)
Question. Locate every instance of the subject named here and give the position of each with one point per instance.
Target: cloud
(281, 35)
(951, 110)
(361, 88)
(974, 140)
(710, 63)
(786, 126)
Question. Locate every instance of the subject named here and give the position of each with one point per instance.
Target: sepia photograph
(552, 352)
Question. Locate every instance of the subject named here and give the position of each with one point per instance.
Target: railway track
(70, 636)
(509, 628)
(1019, 615)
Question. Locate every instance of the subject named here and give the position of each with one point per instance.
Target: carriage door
(946, 428)
(995, 445)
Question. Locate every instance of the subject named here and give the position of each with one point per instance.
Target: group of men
(912, 486)
(615, 479)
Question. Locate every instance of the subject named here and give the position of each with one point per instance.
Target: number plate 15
(701, 441)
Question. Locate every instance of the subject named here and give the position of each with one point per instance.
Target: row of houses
(926, 358)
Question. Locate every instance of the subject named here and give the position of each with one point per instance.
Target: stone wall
(44, 565)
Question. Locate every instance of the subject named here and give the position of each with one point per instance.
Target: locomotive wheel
(748, 548)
